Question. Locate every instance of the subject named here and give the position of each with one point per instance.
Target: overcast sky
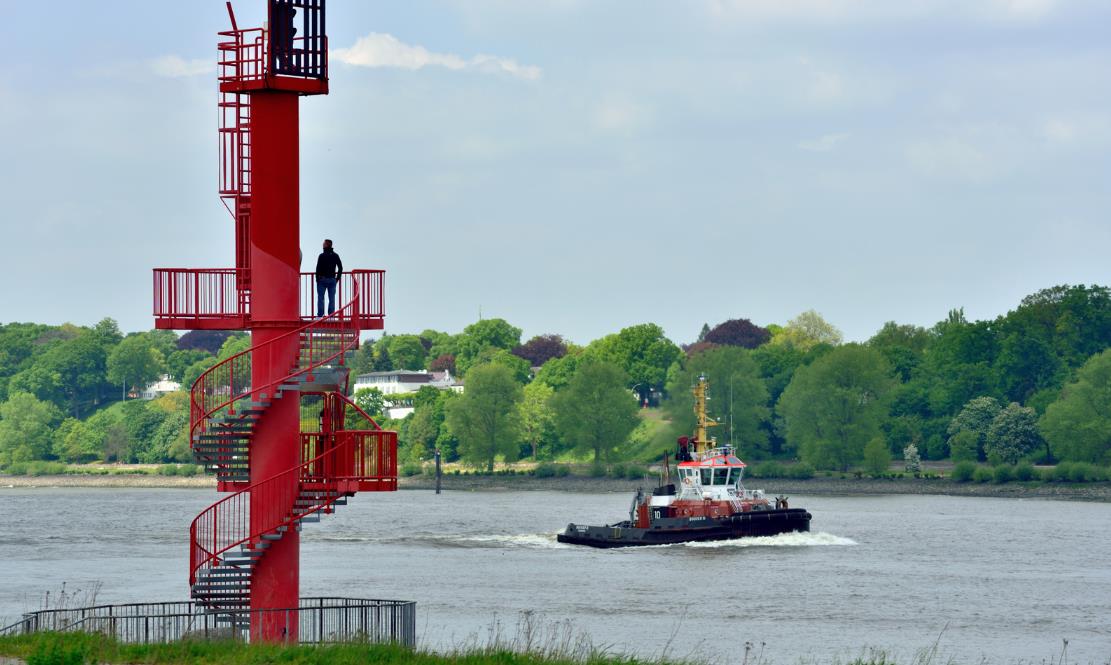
(579, 166)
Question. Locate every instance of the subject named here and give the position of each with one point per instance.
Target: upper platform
(207, 299)
(290, 54)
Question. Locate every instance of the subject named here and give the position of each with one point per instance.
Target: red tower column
(275, 272)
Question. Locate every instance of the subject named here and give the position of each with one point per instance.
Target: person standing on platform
(328, 270)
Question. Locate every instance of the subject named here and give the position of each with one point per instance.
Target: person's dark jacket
(328, 264)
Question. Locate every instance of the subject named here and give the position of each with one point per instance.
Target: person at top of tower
(284, 32)
(328, 269)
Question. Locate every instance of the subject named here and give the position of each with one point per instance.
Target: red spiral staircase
(343, 451)
(241, 426)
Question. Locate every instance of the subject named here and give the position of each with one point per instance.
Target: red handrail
(189, 295)
(197, 293)
(230, 380)
(227, 523)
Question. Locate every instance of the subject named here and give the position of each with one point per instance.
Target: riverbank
(812, 486)
(474, 483)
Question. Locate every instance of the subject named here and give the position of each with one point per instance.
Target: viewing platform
(209, 299)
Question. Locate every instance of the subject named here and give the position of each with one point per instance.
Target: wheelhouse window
(721, 476)
(707, 476)
(735, 475)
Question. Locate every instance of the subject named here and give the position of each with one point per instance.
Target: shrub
(597, 471)
(545, 470)
(635, 472)
(410, 469)
(617, 471)
(167, 470)
(16, 469)
(1024, 472)
(1083, 472)
(982, 474)
(963, 471)
(40, 468)
(1062, 473)
(801, 471)
(562, 470)
(767, 470)
(1002, 474)
(188, 470)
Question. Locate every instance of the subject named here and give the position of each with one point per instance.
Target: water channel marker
(274, 423)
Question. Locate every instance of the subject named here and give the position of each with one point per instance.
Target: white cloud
(384, 50)
(824, 143)
(173, 66)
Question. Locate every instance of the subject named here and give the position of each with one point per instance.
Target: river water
(987, 580)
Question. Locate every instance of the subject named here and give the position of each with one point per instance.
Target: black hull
(756, 523)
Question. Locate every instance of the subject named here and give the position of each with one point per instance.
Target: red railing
(319, 342)
(245, 56)
(365, 457)
(228, 522)
(364, 285)
(188, 296)
(197, 293)
(242, 55)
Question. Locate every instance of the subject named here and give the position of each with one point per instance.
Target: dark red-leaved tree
(738, 332)
(541, 349)
(698, 347)
(440, 363)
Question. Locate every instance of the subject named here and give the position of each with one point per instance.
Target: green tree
(877, 456)
(595, 412)
(179, 362)
(537, 415)
(964, 446)
(135, 362)
(976, 417)
(959, 364)
(1026, 365)
(557, 372)
(482, 335)
(808, 330)
(75, 442)
(1078, 425)
(486, 417)
(69, 373)
(18, 346)
(26, 428)
(372, 401)
(194, 371)
(1013, 434)
(738, 400)
(642, 352)
(903, 345)
(424, 429)
(406, 351)
(835, 406)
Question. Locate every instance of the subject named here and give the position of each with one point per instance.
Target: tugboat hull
(667, 532)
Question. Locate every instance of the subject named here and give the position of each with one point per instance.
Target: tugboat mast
(702, 442)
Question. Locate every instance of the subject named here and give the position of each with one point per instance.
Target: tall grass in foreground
(83, 648)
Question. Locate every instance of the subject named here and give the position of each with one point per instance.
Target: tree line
(1033, 384)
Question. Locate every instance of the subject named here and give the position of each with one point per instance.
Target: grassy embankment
(82, 648)
(85, 648)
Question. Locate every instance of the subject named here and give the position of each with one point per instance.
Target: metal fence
(315, 621)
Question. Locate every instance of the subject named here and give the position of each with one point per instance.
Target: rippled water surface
(999, 580)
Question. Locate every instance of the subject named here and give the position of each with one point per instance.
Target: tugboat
(708, 503)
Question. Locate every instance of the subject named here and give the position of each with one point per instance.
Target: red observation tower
(273, 423)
